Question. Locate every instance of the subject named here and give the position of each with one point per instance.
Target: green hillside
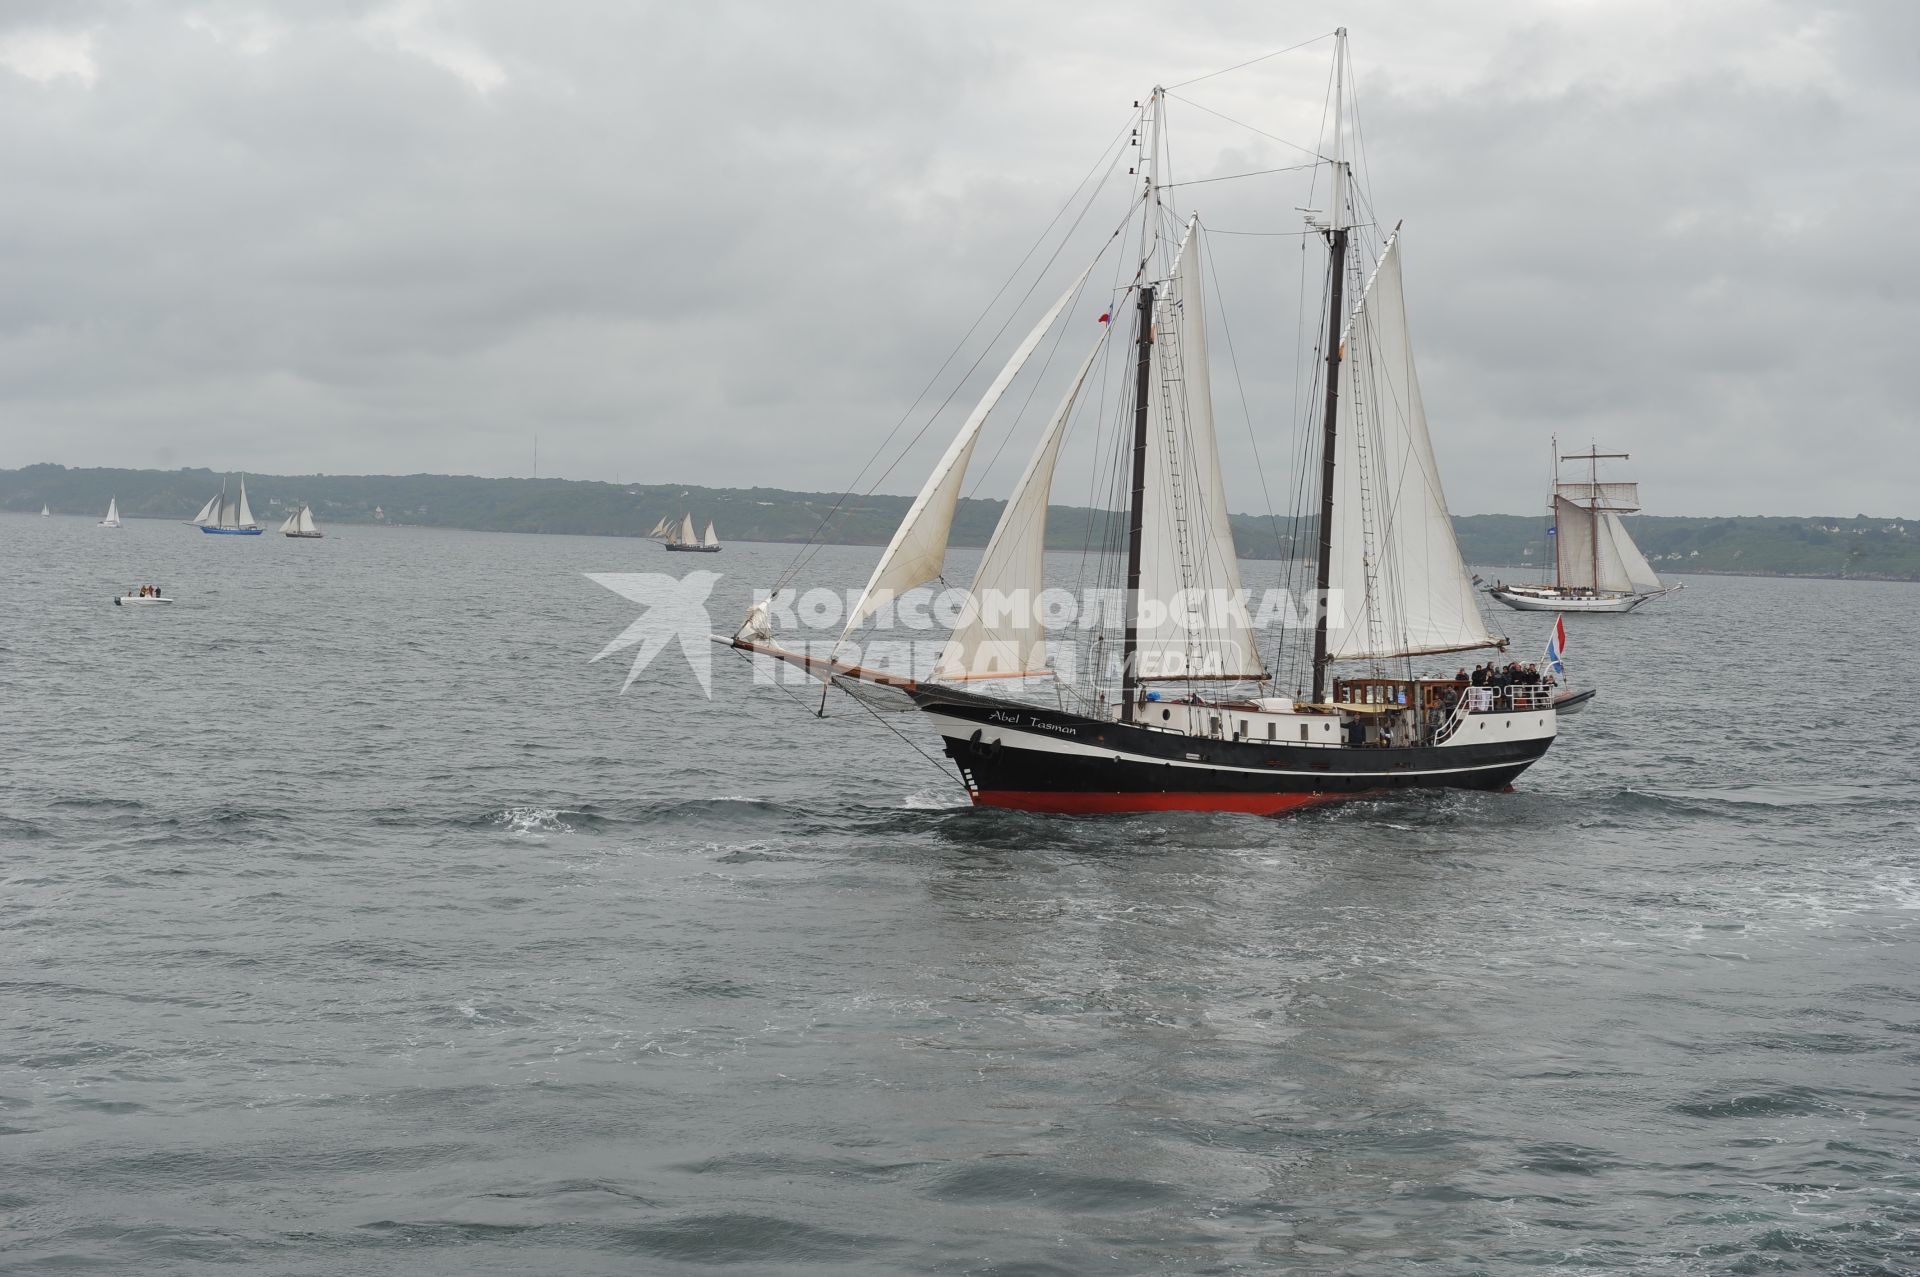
(1859, 546)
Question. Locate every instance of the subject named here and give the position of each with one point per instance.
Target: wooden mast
(1136, 506)
(1142, 386)
(1336, 229)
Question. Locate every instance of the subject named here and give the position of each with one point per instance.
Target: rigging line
(1001, 331)
(1246, 412)
(1241, 66)
(1272, 137)
(931, 760)
(1234, 177)
(1033, 388)
(1073, 197)
(1215, 230)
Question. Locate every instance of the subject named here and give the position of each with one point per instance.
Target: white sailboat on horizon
(113, 513)
(686, 540)
(222, 517)
(1596, 565)
(300, 524)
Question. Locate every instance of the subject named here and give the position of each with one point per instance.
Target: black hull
(692, 549)
(1016, 755)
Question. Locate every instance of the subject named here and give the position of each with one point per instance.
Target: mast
(1142, 385)
(1136, 506)
(1336, 232)
(1553, 515)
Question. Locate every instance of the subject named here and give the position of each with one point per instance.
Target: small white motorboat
(147, 596)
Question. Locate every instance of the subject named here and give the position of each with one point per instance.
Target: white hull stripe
(1047, 744)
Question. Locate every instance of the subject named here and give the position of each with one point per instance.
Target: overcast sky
(727, 243)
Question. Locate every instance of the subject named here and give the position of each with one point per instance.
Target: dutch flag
(1557, 644)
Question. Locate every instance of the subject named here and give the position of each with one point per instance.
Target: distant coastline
(1853, 547)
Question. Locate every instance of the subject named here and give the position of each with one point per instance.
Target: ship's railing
(1461, 708)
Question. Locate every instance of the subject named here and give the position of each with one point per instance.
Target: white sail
(210, 512)
(1193, 621)
(1000, 634)
(113, 513)
(1634, 568)
(919, 545)
(663, 527)
(1399, 585)
(246, 513)
(292, 524)
(687, 536)
(44, 512)
(307, 525)
(711, 537)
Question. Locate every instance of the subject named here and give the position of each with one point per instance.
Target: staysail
(919, 545)
(246, 512)
(1192, 618)
(210, 512)
(1398, 585)
(711, 537)
(1000, 633)
(687, 535)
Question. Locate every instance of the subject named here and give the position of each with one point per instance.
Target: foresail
(1192, 618)
(292, 524)
(711, 537)
(1634, 574)
(687, 534)
(1000, 634)
(246, 512)
(207, 512)
(1399, 587)
(919, 545)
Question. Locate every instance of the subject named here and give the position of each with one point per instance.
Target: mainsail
(919, 545)
(711, 537)
(113, 513)
(1398, 585)
(306, 524)
(687, 535)
(246, 513)
(1192, 618)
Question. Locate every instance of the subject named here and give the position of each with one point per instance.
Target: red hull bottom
(1083, 804)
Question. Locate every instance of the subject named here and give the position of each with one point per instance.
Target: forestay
(919, 546)
(1399, 585)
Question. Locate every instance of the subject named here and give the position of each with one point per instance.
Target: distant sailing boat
(227, 518)
(1387, 557)
(686, 540)
(113, 513)
(1597, 567)
(44, 512)
(300, 524)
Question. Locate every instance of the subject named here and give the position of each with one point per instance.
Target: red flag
(1106, 316)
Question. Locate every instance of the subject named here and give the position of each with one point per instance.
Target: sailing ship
(1148, 734)
(1597, 567)
(228, 518)
(683, 538)
(44, 512)
(300, 524)
(113, 513)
